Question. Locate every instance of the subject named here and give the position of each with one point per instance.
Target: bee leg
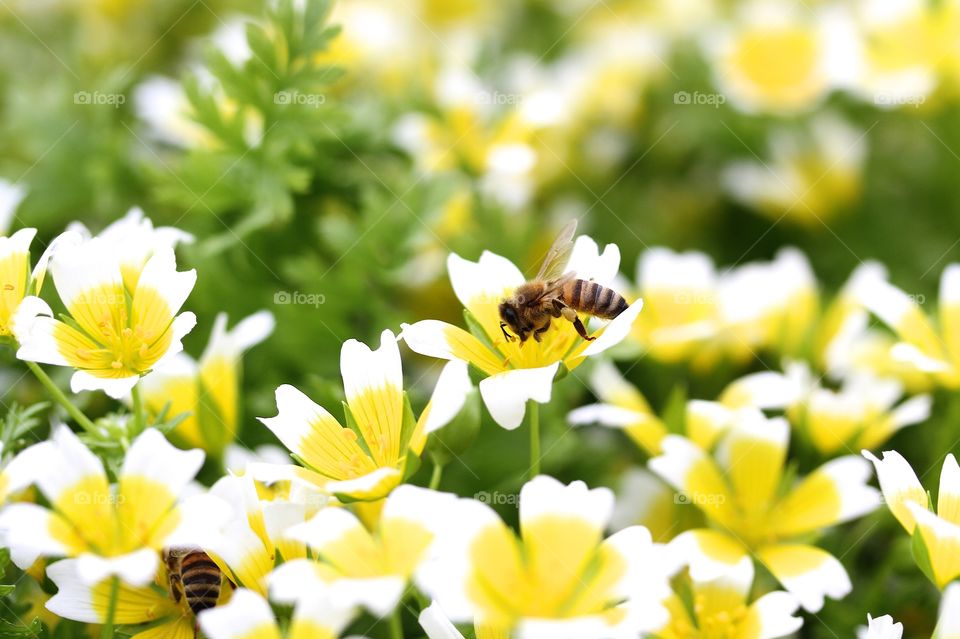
(540, 331)
(582, 330)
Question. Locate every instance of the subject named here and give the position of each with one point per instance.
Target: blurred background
(328, 164)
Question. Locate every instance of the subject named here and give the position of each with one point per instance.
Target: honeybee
(193, 576)
(553, 294)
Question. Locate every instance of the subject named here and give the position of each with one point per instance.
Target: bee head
(509, 317)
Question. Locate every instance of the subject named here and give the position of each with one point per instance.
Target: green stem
(435, 477)
(533, 409)
(396, 624)
(106, 632)
(62, 399)
(139, 419)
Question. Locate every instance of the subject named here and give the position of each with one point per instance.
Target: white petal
(639, 492)
(428, 337)
(506, 394)
(153, 457)
(948, 624)
(295, 415)
(115, 387)
(137, 568)
(160, 274)
(449, 395)
(606, 415)
(589, 264)
(364, 369)
(850, 475)
(25, 528)
(910, 354)
(297, 581)
(899, 484)
(70, 461)
(616, 331)
(913, 411)
(544, 496)
(248, 332)
(79, 267)
(10, 197)
(487, 278)
(326, 527)
(950, 284)
(74, 598)
(436, 624)
(242, 615)
(776, 610)
(882, 628)
(373, 485)
(33, 326)
(429, 508)
(662, 269)
(182, 324)
(25, 468)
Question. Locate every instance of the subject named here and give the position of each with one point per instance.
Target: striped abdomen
(591, 298)
(200, 578)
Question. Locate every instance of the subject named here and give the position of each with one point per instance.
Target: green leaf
(921, 555)
(674, 412)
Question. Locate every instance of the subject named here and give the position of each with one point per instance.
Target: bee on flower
(111, 530)
(150, 607)
(740, 489)
(381, 441)
(123, 318)
(519, 369)
(206, 391)
(559, 577)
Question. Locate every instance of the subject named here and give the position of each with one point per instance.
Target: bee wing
(553, 289)
(559, 254)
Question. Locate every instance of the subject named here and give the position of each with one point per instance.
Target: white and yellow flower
(248, 541)
(559, 578)
(249, 616)
(111, 530)
(775, 59)
(741, 491)
(17, 281)
(808, 178)
(863, 413)
(936, 534)
(517, 371)
(680, 293)
(721, 607)
(927, 350)
(149, 604)
(114, 334)
(357, 566)
(207, 391)
(134, 240)
(906, 50)
(368, 457)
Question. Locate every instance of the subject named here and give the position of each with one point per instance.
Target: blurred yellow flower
(248, 616)
(206, 391)
(772, 60)
(808, 178)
